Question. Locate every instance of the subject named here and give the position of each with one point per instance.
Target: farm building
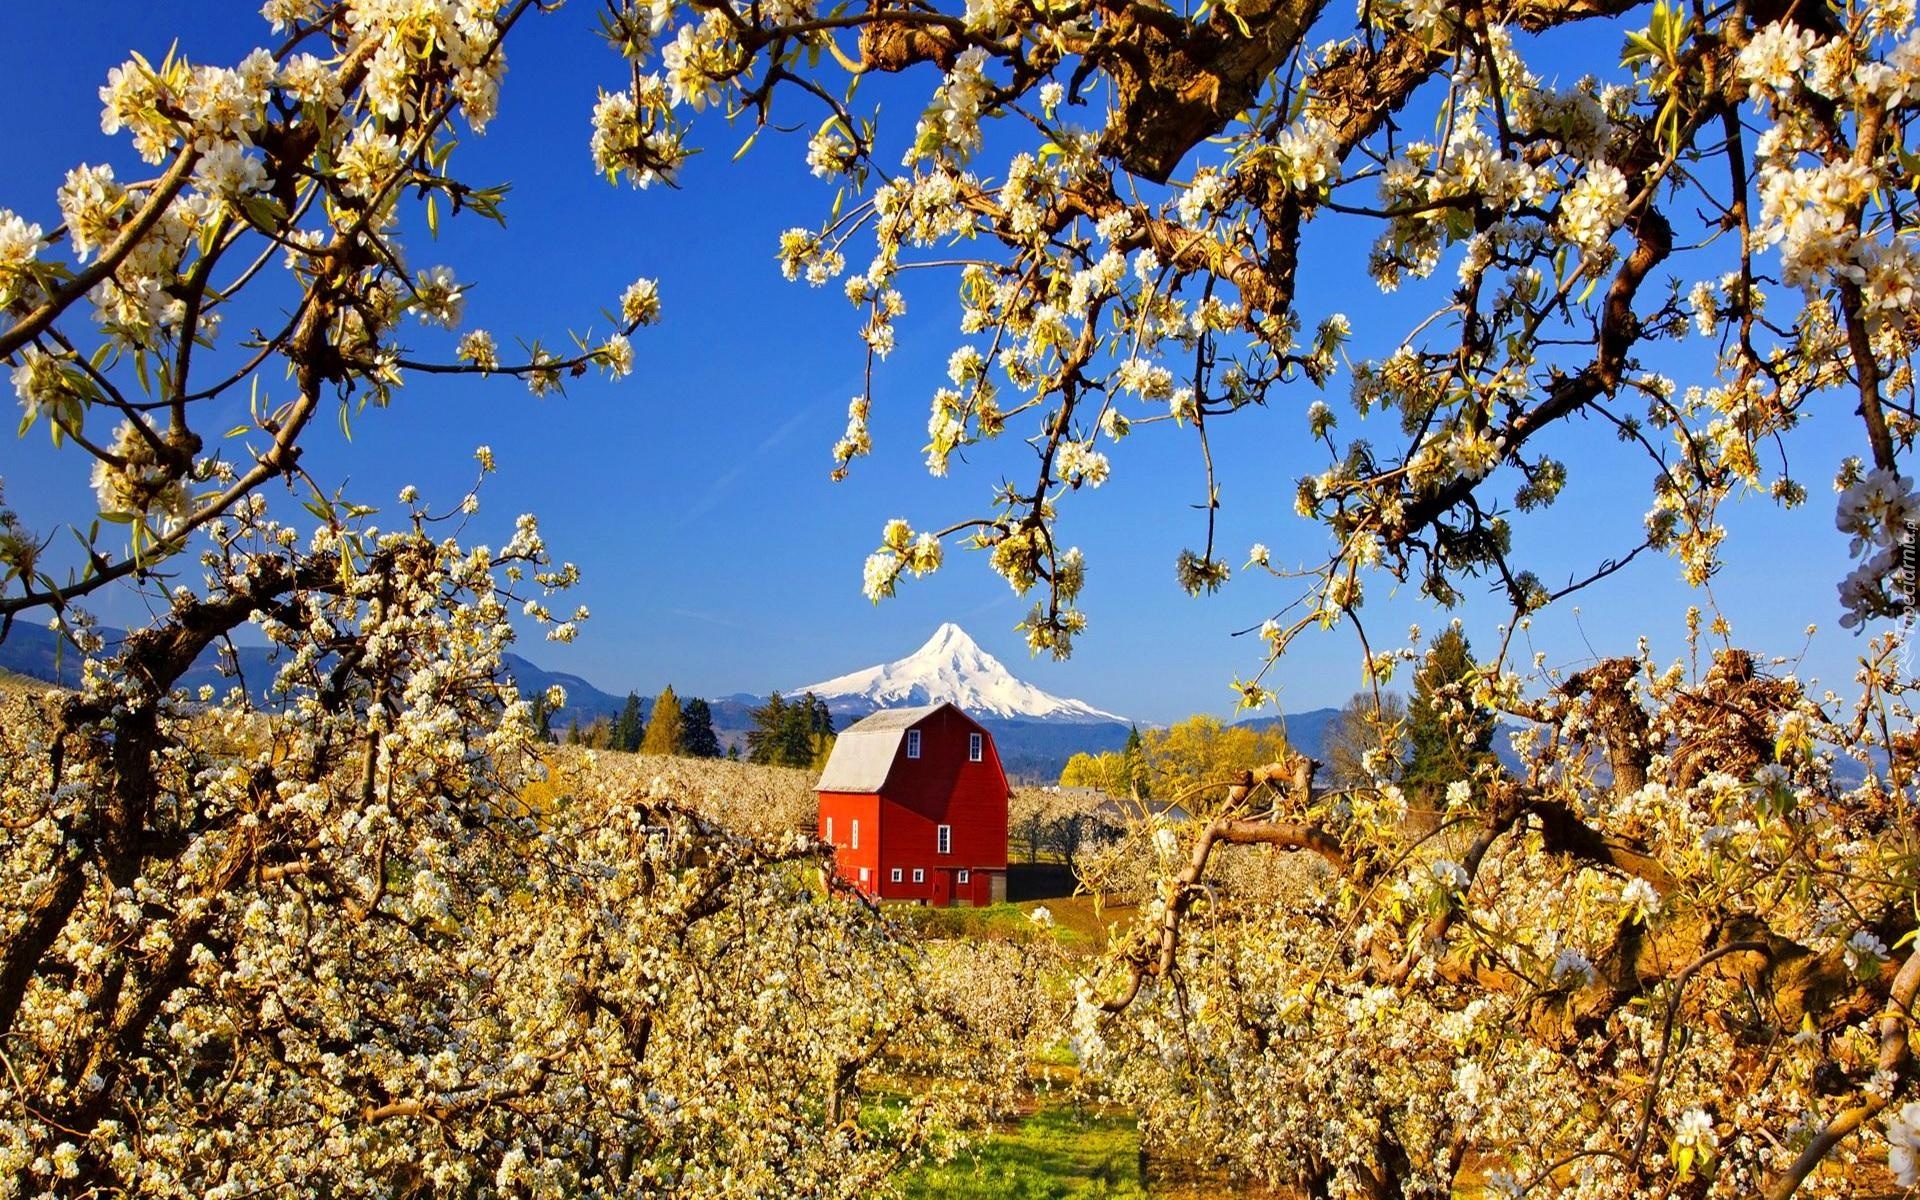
(914, 802)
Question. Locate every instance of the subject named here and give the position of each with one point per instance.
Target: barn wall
(943, 787)
(844, 808)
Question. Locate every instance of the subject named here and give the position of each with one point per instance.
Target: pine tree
(1448, 736)
(663, 733)
(1134, 755)
(805, 726)
(697, 737)
(573, 732)
(769, 722)
(631, 729)
(542, 718)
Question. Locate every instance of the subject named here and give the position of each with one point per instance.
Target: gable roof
(891, 719)
(864, 751)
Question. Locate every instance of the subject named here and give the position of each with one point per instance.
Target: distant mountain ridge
(1036, 733)
(952, 668)
(36, 651)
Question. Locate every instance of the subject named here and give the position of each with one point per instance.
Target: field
(1002, 1076)
(1059, 1152)
(1055, 1148)
(22, 685)
(1064, 1150)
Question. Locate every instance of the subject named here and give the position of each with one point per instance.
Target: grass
(1061, 1152)
(998, 922)
(1081, 921)
(1077, 921)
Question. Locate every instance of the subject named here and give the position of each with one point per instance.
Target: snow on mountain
(950, 667)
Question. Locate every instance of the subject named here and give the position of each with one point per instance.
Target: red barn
(914, 803)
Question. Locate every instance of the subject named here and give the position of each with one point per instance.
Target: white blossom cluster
(412, 944)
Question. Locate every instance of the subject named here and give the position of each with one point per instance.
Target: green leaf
(263, 212)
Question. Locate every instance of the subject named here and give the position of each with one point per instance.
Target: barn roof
(890, 718)
(864, 751)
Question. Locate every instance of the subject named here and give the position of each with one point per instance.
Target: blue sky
(694, 495)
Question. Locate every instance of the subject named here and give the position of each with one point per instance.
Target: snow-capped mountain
(951, 667)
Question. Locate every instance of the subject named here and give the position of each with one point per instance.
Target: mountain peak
(951, 667)
(948, 639)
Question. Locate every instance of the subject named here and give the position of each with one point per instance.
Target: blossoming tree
(352, 936)
(1674, 954)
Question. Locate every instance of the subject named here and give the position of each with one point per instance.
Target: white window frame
(913, 743)
(963, 876)
(943, 840)
(829, 831)
(976, 747)
(855, 843)
(896, 875)
(919, 874)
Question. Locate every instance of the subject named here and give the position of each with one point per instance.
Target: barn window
(896, 875)
(974, 748)
(829, 830)
(943, 840)
(865, 875)
(913, 743)
(964, 876)
(855, 844)
(919, 874)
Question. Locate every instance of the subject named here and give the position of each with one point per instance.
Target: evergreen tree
(1134, 755)
(697, 737)
(542, 717)
(733, 753)
(1447, 736)
(769, 722)
(807, 733)
(791, 734)
(793, 747)
(663, 733)
(631, 729)
(573, 732)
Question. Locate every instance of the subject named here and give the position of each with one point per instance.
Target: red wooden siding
(844, 809)
(899, 826)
